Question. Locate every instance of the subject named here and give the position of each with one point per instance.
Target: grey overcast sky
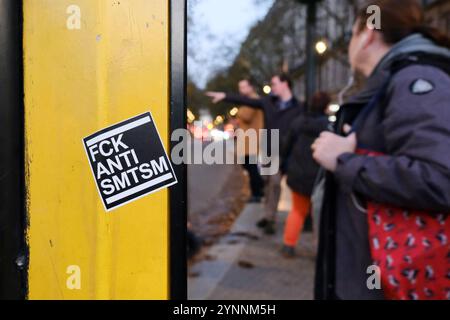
(217, 29)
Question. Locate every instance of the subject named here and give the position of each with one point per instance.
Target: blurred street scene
(245, 264)
(293, 66)
(217, 194)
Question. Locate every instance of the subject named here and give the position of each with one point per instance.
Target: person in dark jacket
(300, 167)
(410, 126)
(280, 109)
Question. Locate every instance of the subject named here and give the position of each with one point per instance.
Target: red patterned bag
(412, 250)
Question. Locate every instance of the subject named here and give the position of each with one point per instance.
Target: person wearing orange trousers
(301, 206)
(300, 167)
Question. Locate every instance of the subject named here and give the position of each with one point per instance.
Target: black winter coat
(298, 163)
(411, 126)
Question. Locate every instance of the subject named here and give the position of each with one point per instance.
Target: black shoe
(269, 229)
(262, 223)
(288, 252)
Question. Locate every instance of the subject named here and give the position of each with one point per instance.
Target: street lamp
(190, 116)
(310, 77)
(234, 111)
(218, 120)
(321, 47)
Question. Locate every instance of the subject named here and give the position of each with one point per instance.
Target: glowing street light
(190, 116)
(321, 47)
(234, 111)
(218, 120)
(267, 89)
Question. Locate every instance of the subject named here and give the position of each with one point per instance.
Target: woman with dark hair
(300, 167)
(391, 148)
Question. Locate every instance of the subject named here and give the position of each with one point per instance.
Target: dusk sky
(218, 29)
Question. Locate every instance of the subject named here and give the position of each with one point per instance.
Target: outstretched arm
(233, 98)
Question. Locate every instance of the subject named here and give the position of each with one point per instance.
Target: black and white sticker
(128, 161)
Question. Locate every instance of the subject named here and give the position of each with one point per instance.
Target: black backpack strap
(421, 58)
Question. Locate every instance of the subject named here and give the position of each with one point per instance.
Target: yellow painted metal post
(90, 64)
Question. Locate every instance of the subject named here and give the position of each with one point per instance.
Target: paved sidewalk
(247, 265)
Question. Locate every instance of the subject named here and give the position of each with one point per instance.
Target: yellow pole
(90, 64)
